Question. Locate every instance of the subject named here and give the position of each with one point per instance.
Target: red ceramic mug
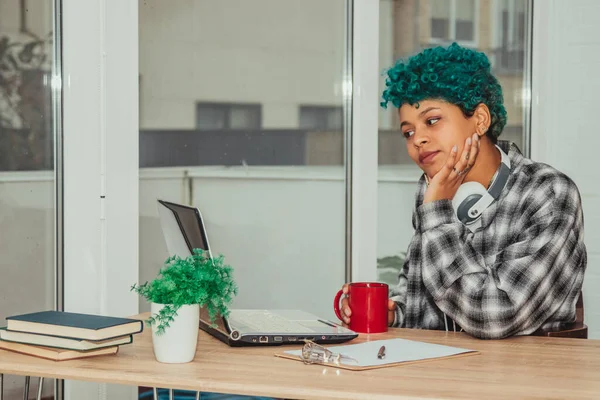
(368, 302)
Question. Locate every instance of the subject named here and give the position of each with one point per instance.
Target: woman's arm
(529, 279)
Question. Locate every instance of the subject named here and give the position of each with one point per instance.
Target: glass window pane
(464, 31)
(321, 118)
(465, 10)
(310, 118)
(465, 20)
(273, 196)
(211, 117)
(510, 55)
(441, 8)
(440, 19)
(244, 117)
(27, 183)
(440, 28)
(398, 173)
(334, 119)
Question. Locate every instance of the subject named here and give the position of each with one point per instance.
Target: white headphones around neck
(472, 198)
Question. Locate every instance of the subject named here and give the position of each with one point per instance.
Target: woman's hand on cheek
(447, 181)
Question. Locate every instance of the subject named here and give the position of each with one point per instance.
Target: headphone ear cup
(465, 198)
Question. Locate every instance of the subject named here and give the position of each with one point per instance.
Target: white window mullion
(452, 20)
(544, 115)
(364, 158)
(100, 142)
(511, 24)
(476, 19)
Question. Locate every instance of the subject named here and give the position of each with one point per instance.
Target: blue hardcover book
(35, 339)
(74, 325)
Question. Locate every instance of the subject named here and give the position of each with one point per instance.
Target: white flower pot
(177, 344)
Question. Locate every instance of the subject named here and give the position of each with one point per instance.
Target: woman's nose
(420, 140)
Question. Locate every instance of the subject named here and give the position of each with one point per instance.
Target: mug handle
(336, 305)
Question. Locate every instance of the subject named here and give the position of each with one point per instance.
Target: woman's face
(432, 130)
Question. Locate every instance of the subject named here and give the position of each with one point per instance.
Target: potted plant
(176, 295)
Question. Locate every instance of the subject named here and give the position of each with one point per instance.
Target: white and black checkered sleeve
(398, 295)
(527, 280)
(399, 292)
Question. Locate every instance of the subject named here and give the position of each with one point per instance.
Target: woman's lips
(427, 157)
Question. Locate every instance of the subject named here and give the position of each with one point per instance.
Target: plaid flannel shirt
(520, 271)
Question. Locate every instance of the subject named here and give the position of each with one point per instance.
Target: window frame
(228, 107)
(101, 66)
(100, 196)
(327, 111)
(102, 80)
(101, 111)
(452, 26)
(497, 43)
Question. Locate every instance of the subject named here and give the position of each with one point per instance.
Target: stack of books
(59, 335)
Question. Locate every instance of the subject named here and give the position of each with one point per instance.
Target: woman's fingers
(391, 311)
(346, 312)
(460, 168)
(474, 151)
(448, 168)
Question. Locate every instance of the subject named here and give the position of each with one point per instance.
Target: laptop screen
(182, 228)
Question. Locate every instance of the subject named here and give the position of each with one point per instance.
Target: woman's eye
(408, 134)
(432, 121)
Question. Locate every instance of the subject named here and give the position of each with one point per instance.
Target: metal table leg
(40, 387)
(198, 395)
(170, 394)
(154, 393)
(26, 388)
(1, 386)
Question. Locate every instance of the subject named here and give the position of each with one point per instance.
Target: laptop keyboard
(263, 321)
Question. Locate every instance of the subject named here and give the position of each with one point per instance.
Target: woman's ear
(483, 119)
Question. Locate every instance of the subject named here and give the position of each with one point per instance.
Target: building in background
(268, 88)
(229, 74)
(496, 27)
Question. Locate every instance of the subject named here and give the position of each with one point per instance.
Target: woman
(518, 264)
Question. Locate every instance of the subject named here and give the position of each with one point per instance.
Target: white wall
(564, 126)
(277, 53)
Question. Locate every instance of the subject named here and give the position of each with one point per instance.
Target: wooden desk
(526, 367)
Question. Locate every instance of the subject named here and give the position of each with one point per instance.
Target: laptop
(184, 230)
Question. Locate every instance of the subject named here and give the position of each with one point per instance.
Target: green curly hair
(454, 74)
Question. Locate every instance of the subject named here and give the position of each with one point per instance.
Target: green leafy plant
(197, 279)
(389, 267)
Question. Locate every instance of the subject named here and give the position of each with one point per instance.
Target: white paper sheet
(396, 350)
